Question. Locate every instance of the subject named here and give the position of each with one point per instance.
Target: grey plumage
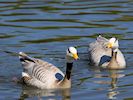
(44, 75)
(41, 72)
(100, 55)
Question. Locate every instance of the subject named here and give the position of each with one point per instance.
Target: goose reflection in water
(114, 75)
(49, 94)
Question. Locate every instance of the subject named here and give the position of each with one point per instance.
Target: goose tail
(25, 58)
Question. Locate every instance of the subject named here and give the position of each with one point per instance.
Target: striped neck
(114, 54)
(68, 70)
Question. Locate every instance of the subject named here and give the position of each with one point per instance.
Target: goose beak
(110, 45)
(75, 56)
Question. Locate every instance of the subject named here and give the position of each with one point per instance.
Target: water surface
(45, 28)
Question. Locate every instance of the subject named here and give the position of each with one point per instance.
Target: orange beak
(75, 56)
(110, 45)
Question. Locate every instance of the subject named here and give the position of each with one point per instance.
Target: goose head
(71, 54)
(113, 43)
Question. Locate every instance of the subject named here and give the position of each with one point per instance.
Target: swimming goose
(101, 51)
(44, 75)
(113, 64)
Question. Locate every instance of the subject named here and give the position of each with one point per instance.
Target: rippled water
(45, 28)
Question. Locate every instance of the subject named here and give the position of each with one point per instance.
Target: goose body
(44, 75)
(101, 55)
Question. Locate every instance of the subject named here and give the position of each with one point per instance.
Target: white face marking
(112, 40)
(116, 44)
(72, 50)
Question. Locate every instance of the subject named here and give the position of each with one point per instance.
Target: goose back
(42, 73)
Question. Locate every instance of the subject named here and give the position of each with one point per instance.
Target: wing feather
(43, 72)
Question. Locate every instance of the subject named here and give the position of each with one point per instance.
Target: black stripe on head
(69, 50)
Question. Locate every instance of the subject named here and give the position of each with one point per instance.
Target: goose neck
(68, 70)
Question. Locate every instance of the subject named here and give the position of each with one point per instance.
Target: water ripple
(45, 28)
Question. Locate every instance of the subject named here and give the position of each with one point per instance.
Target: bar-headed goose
(103, 50)
(44, 75)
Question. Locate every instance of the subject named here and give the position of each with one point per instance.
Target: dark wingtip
(23, 57)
